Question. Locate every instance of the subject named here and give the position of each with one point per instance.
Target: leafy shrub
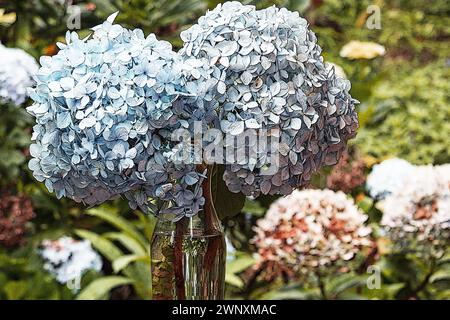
(14, 141)
(126, 248)
(409, 117)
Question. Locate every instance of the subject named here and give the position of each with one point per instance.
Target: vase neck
(205, 223)
(198, 225)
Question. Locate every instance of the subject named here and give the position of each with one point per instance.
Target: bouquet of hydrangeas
(106, 106)
(121, 113)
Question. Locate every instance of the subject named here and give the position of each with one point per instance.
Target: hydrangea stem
(210, 225)
(423, 284)
(321, 284)
(189, 255)
(178, 260)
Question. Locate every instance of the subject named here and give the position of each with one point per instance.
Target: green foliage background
(411, 109)
(404, 112)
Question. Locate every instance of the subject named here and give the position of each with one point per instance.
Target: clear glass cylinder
(188, 257)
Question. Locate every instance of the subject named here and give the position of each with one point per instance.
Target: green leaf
(99, 288)
(103, 245)
(128, 242)
(440, 275)
(120, 223)
(391, 290)
(142, 277)
(242, 262)
(288, 293)
(253, 207)
(239, 264)
(445, 258)
(227, 203)
(344, 282)
(15, 289)
(234, 280)
(148, 222)
(124, 261)
(443, 295)
(139, 273)
(365, 204)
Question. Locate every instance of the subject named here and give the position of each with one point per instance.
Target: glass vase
(188, 256)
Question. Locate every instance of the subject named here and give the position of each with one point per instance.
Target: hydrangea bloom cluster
(420, 210)
(311, 230)
(17, 69)
(68, 259)
(388, 177)
(347, 175)
(264, 70)
(105, 108)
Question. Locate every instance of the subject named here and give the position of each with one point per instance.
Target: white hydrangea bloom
(420, 211)
(312, 229)
(17, 69)
(388, 177)
(68, 259)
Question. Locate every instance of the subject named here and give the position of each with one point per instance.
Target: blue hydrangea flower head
(105, 107)
(264, 71)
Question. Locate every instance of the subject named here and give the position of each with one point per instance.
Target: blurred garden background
(397, 56)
